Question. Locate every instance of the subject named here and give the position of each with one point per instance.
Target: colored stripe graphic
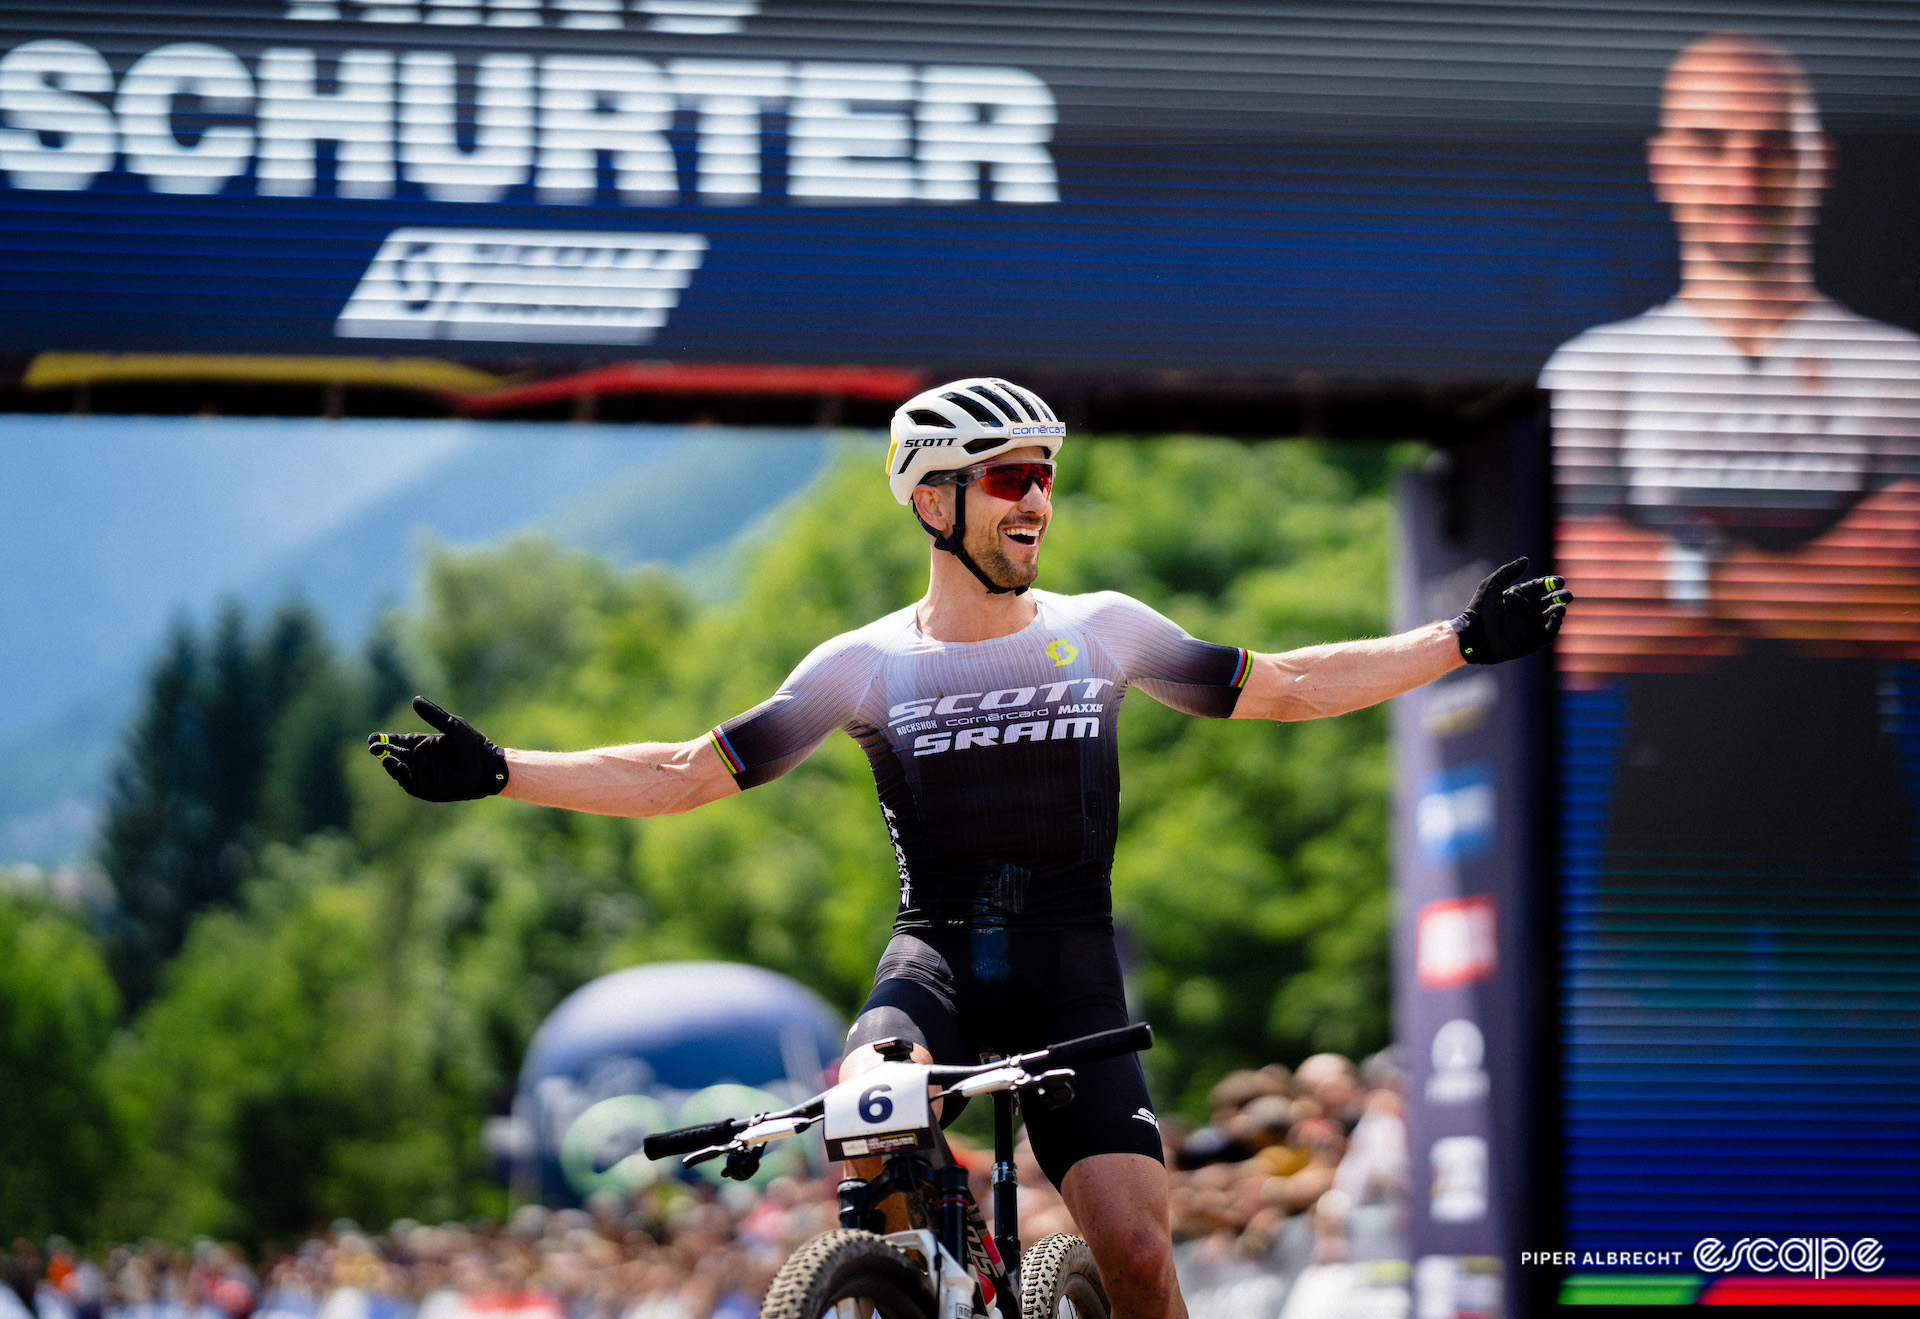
(1813, 1291)
(727, 754)
(1245, 667)
(1629, 1289)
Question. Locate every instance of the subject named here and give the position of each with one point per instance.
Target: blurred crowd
(1312, 1163)
(1293, 1168)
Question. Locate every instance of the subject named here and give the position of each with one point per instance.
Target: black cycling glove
(1505, 620)
(455, 764)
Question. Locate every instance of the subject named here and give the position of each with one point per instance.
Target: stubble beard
(1000, 570)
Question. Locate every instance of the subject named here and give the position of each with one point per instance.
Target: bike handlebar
(688, 1139)
(1095, 1048)
(1087, 1049)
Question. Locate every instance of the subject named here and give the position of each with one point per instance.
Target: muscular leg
(1119, 1203)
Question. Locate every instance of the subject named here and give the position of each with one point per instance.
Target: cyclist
(987, 711)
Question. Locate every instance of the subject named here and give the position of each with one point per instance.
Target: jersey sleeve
(822, 694)
(1157, 655)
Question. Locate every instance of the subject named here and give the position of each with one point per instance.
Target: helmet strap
(951, 543)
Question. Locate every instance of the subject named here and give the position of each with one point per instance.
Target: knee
(1138, 1271)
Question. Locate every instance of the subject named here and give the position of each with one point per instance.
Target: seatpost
(1006, 1185)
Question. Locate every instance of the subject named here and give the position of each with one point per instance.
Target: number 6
(875, 1107)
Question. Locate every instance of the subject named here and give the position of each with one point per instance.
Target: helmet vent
(1033, 401)
(984, 443)
(924, 417)
(1019, 398)
(975, 408)
(999, 400)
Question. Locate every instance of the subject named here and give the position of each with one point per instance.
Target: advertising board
(1378, 190)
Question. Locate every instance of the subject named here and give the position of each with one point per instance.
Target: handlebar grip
(688, 1139)
(1106, 1044)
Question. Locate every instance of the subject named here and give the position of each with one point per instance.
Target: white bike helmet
(958, 425)
(966, 422)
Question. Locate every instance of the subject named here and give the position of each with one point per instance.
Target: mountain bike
(945, 1265)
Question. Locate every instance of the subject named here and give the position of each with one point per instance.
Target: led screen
(1736, 469)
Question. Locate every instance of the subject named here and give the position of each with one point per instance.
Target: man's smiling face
(1004, 536)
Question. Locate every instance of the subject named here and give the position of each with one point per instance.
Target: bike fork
(1006, 1185)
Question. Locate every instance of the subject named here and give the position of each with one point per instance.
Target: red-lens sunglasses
(1008, 481)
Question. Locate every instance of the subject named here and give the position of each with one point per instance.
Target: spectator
(23, 1272)
(1330, 1081)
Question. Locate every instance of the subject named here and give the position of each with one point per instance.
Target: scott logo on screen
(551, 285)
(555, 128)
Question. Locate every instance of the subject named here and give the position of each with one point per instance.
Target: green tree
(301, 1065)
(232, 722)
(59, 1137)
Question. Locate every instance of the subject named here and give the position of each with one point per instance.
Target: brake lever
(711, 1153)
(1054, 1089)
(1053, 1077)
(741, 1145)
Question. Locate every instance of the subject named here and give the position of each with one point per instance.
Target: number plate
(881, 1110)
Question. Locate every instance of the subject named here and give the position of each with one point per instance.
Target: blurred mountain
(111, 527)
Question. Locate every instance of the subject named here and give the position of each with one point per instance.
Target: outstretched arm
(458, 763)
(1506, 618)
(1316, 681)
(645, 778)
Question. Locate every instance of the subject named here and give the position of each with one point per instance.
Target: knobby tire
(1058, 1280)
(845, 1265)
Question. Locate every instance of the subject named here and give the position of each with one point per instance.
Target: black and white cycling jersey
(996, 762)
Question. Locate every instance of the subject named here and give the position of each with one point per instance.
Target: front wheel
(1058, 1280)
(849, 1275)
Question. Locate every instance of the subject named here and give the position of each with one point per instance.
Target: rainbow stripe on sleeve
(728, 755)
(1245, 667)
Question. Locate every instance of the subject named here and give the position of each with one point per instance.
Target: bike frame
(946, 1224)
(969, 1267)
